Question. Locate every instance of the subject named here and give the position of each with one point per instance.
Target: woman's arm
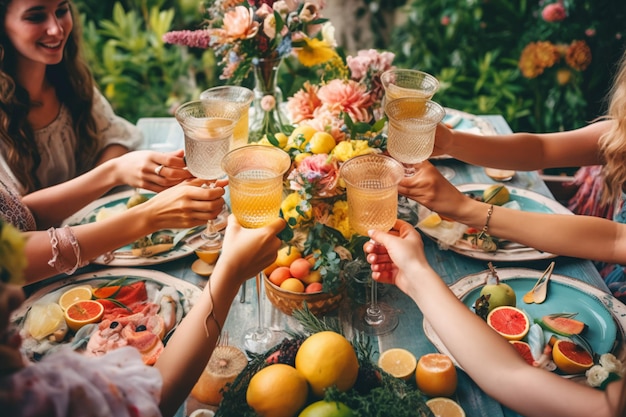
(485, 355)
(245, 252)
(585, 237)
(524, 151)
(183, 206)
(52, 205)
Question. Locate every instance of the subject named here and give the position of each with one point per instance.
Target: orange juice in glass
(399, 83)
(242, 97)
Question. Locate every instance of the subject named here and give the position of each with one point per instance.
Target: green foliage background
(471, 46)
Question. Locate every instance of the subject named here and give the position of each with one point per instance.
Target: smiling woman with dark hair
(54, 123)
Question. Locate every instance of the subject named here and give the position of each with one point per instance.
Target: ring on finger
(158, 169)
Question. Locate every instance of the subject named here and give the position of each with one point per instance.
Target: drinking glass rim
(434, 82)
(398, 169)
(280, 167)
(249, 94)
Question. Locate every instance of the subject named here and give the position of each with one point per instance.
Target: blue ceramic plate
(122, 257)
(604, 315)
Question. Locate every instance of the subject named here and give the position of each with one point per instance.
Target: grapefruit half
(571, 358)
(523, 349)
(510, 322)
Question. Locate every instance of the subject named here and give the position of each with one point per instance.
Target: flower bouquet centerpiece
(336, 120)
(254, 37)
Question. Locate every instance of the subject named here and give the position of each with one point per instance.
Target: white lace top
(57, 141)
(68, 384)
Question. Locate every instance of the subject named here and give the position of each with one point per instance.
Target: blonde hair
(613, 142)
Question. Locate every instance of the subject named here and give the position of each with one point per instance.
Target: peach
(313, 287)
(292, 284)
(279, 275)
(300, 268)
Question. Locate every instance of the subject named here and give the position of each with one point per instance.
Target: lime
(327, 409)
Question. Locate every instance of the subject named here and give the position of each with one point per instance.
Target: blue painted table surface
(163, 133)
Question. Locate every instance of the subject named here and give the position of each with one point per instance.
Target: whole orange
(277, 390)
(326, 359)
(435, 375)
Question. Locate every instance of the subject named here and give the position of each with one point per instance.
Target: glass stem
(374, 309)
(259, 298)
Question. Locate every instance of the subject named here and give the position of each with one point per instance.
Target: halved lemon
(445, 407)
(83, 292)
(398, 362)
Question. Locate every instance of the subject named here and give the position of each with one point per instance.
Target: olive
(114, 324)
(141, 328)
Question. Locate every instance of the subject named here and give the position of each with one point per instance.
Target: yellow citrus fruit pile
(292, 272)
(323, 360)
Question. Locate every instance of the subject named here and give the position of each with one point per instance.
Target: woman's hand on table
(151, 170)
(185, 205)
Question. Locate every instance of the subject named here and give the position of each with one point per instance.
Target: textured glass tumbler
(411, 131)
(372, 189)
(255, 178)
(237, 95)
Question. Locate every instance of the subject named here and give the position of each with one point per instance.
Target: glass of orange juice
(399, 83)
(255, 178)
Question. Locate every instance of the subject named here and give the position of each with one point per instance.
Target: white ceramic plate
(122, 257)
(528, 201)
(188, 292)
(604, 315)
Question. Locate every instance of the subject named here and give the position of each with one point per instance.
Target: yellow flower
(294, 207)
(339, 219)
(315, 52)
(350, 148)
(12, 257)
(536, 57)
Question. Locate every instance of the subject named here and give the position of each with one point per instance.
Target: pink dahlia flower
(347, 96)
(302, 104)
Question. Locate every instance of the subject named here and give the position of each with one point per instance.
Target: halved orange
(398, 362)
(74, 294)
(106, 292)
(445, 407)
(436, 375)
(510, 322)
(83, 312)
(570, 357)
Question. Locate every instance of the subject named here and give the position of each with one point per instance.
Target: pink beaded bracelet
(63, 241)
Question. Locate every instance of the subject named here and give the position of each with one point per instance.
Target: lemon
(44, 319)
(496, 194)
(432, 220)
(75, 294)
(282, 139)
(398, 362)
(321, 142)
(300, 136)
(299, 157)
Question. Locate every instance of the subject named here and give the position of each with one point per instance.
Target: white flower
(612, 364)
(328, 34)
(596, 375)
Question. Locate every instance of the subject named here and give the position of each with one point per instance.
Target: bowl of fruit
(296, 279)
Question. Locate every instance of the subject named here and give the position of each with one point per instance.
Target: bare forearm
(52, 205)
(585, 237)
(191, 346)
(110, 152)
(94, 239)
(527, 151)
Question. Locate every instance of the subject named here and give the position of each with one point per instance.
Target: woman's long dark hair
(74, 86)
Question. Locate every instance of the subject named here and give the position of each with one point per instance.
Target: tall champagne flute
(208, 128)
(237, 95)
(411, 131)
(372, 188)
(255, 178)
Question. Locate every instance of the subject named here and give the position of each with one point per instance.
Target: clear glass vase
(268, 116)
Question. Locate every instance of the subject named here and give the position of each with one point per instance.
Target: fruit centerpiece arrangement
(318, 369)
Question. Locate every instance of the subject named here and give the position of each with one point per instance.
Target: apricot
(313, 287)
(279, 275)
(300, 268)
(313, 276)
(293, 285)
